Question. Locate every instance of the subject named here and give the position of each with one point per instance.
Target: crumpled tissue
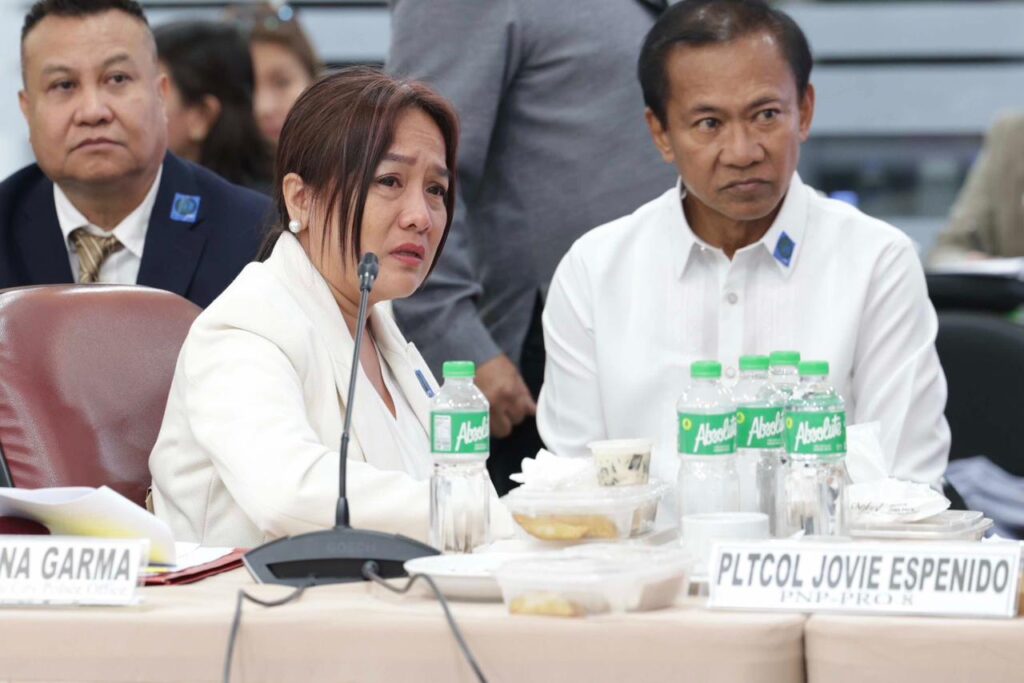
(874, 498)
(865, 460)
(549, 472)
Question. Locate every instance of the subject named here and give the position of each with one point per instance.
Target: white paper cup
(622, 462)
(699, 532)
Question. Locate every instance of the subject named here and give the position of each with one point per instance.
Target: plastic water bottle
(460, 442)
(783, 371)
(815, 474)
(784, 374)
(760, 437)
(706, 420)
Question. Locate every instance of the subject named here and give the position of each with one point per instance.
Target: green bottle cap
(706, 369)
(814, 368)
(753, 363)
(458, 368)
(783, 358)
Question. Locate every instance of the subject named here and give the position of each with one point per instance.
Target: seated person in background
(739, 258)
(988, 217)
(248, 450)
(104, 201)
(209, 105)
(283, 60)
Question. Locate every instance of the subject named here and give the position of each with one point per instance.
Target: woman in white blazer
(248, 450)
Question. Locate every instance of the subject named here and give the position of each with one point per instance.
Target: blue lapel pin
(185, 208)
(425, 384)
(784, 249)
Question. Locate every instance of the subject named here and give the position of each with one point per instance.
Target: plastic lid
(596, 500)
(814, 368)
(587, 566)
(784, 358)
(946, 521)
(458, 368)
(753, 363)
(706, 369)
(970, 533)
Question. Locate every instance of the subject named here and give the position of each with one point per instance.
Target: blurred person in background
(987, 219)
(553, 143)
(283, 59)
(210, 101)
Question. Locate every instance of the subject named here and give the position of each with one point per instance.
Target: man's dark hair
(78, 8)
(696, 23)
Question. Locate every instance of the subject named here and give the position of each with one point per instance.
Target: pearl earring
(295, 225)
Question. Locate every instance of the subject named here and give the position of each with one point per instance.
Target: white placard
(940, 579)
(66, 570)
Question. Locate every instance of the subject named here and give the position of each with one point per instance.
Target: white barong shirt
(636, 301)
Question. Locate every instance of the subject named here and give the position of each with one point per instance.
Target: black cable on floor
(370, 572)
(237, 620)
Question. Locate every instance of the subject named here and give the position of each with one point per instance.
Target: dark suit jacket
(193, 253)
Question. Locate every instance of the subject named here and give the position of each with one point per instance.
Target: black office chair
(983, 358)
(974, 293)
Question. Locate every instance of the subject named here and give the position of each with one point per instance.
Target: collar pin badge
(185, 208)
(784, 249)
(427, 389)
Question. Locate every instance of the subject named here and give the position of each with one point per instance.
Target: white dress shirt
(121, 267)
(637, 300)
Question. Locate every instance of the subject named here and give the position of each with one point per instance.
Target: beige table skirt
(907, 650)
(360, 632)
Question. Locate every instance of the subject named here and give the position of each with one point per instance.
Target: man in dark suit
(105, 201)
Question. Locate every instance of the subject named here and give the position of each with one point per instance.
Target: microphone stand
(338, 555)
(368, 270)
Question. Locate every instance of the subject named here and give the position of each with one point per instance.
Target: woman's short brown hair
(335, 137)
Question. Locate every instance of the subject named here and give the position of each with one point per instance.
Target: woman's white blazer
(248, 449)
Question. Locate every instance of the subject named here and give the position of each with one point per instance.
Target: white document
(189, 555)
(1010, 268)
(85, 511)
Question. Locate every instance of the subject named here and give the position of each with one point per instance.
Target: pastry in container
(595, 579)
(603, 513)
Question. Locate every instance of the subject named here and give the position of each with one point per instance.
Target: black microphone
(338, 555)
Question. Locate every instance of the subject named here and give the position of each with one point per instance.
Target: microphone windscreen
(369, 266)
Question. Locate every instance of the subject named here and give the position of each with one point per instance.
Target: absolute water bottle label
(707, 434)
(760, 428)
(460, 433)
(816, 433)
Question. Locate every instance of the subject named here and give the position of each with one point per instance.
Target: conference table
(360, 632)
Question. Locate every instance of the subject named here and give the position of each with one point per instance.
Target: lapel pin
(185, 208)
(784, 249)
(425, 384)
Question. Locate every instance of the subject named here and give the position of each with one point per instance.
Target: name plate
(939, 579)
(70, 570)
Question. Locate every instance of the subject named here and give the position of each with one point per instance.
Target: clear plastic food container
(951, 525)
(594, 580)
(607, 513)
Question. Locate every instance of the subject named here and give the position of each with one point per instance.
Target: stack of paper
(85, 511)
